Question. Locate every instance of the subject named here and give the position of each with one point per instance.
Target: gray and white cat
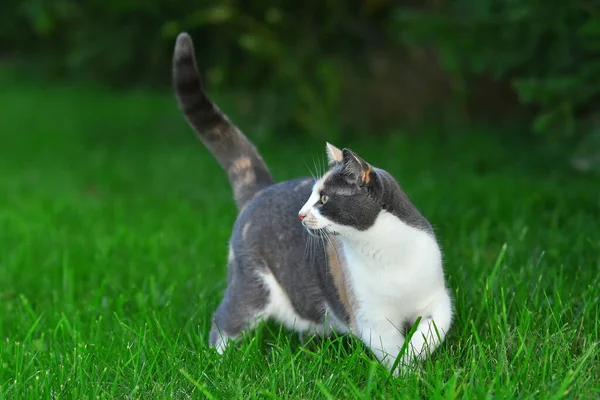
(378, 268)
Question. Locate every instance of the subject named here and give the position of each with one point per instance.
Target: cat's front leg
(432, 329)
(385, 341)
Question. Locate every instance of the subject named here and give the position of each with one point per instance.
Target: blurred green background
(115, 220)
(339, 68)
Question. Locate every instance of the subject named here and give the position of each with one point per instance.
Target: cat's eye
(324, 199)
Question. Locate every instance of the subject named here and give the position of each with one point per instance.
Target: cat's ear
(334, 155)
(357, 168)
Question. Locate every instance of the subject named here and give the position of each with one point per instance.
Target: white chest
(393, 269)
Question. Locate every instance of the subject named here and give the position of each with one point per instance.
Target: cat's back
(270, 220)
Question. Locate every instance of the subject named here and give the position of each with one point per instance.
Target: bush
(314, 65)
(293, 47)
(547, 50)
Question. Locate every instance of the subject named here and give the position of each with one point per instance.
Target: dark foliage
(333, 66)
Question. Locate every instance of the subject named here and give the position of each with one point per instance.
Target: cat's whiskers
(315, 245)
(324, 163)
(325, 242)
(314, 176)
(309, 248)
(319, 174)
(305, 254)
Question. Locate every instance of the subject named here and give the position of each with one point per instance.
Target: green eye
(324, 199)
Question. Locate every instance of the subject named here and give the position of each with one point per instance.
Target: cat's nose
(301, 216)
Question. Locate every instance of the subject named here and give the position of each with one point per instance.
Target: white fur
(279, 308)
(395, 272)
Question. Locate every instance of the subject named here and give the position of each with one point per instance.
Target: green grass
(114, 224)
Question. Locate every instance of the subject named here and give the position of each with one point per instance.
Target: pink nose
(301, 216)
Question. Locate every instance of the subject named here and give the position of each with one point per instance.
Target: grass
(114, 224)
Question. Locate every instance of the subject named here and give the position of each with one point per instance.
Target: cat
(375, 268)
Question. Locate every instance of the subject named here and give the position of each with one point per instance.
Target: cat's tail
(247, 171)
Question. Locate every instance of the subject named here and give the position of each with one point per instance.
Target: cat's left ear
(357, 168)
(334, 155)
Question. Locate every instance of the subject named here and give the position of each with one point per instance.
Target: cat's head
(348, 197)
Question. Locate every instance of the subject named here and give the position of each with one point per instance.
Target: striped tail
(247, 171)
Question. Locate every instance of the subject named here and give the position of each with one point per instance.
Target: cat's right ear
(357, 168)
(334, 155)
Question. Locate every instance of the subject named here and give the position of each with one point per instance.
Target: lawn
(114, 222)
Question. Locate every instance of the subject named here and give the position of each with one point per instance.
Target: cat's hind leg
(242, 307)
